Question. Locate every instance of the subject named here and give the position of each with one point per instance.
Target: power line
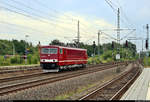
(109, 35)
(64, 15)
(128, 22)
(37, 10)
(83, 25)
(115, 10)
(44, 5)
(127, 35)
(110, 4)
(12, 25)
(30, 16)
(38, 2)
(24, 27)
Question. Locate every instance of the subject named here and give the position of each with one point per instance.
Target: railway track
(4, 71)
(5, 89)
(25, 73)
(19, 77)
(23, 69)
(114, 89)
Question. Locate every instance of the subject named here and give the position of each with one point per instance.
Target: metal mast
(99, 43)
(147, 27)
(78, 35)
(118, 28)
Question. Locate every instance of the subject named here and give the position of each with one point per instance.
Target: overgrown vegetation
(13, 52)
(107, 53)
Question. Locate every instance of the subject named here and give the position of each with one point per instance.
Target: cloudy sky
(45, 20)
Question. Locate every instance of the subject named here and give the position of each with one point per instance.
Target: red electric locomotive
(55, 58)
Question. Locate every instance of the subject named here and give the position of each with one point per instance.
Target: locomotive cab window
(61, 51)
(45, 51)
(53, 50)
(49, 51)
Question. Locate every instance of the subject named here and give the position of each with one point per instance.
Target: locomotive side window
(61, 51)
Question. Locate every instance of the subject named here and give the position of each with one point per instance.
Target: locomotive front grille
(49, 65)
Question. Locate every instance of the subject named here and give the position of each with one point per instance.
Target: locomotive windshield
(49, 51)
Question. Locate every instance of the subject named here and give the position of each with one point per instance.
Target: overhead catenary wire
(130, 23)
(68, 17)
(111, 4)
(85, 30)
(127, 35)
(21, 28)
(37, 11)
(31, 17)
(108, 35)
(126, 19)
(38, 18)
(34, 16)
(26, 27)
(28, 16)
(52, 17)
(45, 6)
(25, 16)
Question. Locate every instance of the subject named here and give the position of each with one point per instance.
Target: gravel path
(50, 91)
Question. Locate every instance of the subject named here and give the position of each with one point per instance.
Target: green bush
(21, 61)
(34, 60)
(29, 58)
(1, 60)
(145, 61)
(6, 62)
(15, 60)
(90, 60)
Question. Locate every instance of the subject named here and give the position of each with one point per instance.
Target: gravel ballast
(50, 91)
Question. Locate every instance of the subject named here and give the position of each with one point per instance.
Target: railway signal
(94, 46)
(126, 43)
(112, 45)
(146, 44)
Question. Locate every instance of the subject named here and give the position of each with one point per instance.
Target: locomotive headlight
(49, 60)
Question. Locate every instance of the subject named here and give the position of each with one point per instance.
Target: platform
(140, 89)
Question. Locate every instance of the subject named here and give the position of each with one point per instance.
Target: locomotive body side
(62, 58)
(73, 57)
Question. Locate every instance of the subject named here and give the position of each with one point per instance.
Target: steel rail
(109, 83)
(36, 74)
(21, 86)
(119, 94)
(19, 77)
(20, 69)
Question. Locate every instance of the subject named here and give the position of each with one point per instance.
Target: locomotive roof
(64, 47)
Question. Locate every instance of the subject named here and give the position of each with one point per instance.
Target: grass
(18, 65)
(146, 66)
(79, 90)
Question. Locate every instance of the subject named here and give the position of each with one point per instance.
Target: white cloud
(45, 32)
